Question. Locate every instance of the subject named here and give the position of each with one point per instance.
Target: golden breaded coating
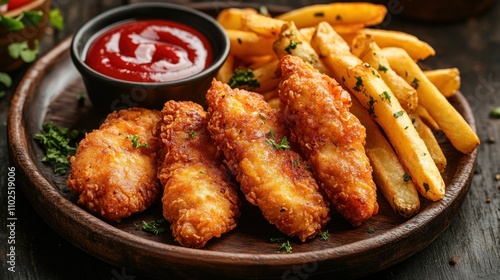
(114, 168)
(199, 199)
(271, 175)
(316, 108)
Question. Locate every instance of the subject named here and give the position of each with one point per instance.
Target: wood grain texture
(473, 236)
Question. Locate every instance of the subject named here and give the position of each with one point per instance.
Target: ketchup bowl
(142, 55)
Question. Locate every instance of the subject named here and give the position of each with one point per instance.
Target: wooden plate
(48, 93)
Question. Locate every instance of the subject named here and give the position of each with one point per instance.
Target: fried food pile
(198, 161)
(310, 109)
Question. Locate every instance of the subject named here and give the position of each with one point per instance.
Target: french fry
(454, 126)
(426, 118)
(430, 141)
(372, 93)
(226, 70)
(416, 48)
(267, 76)
(364, 47)
(247, 43)
(359, 14)
(262, 25)
(388, 172)
(446, 80)
(290, 41)
(230, 18)
(307, 33)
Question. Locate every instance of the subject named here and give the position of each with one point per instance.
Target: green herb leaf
(359, 83)
(283, 145)
(32, 17)
(285, 247)
(154, 227)
(291, 46)
(414, 83)
(495, 113)
(406, 177)
(243, 78)
(56, 19)
(5, 79)
(12, 24)
(382, 68)
(59, 144)
(22, 50)
(325, 235)
(135, 142)
(398, 114)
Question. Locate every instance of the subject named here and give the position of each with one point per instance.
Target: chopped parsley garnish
(154, 227)
(414, 83)
(495, 113)
(325, 235)
(371, 230)
(398, 114)
(359, 83)
(135, 142)
(283, 145)
(382, 68)
(406, 177)
(386, 96)
(291, 46)
(192, 134)
(263, 118)
(296, 162)
(243, 78)
(285, 247)
(371, 107)
(59, 144)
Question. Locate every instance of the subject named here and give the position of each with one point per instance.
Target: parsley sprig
(283, 144)
(155, 227)
(135, 142)
(243, 78)
(59, 144)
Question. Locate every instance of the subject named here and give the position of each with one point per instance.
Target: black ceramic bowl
(113, 94)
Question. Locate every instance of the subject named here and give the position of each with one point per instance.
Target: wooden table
(468, 249)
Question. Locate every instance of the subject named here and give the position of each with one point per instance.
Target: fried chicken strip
(271, 175)
(316, 109)
(114, 168)
(199, 199)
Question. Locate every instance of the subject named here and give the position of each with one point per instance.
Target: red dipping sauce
(150, 51)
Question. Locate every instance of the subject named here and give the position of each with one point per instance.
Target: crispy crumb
(489, 199)
(453, 261)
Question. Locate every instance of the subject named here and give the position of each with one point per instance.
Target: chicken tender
(316, 109)
(199, 200)
(114, 169)
(271, 175)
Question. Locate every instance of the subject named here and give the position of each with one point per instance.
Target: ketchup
(150, 51)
